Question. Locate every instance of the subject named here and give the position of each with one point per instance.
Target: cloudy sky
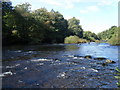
(94, 15)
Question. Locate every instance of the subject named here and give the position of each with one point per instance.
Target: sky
(94, 15)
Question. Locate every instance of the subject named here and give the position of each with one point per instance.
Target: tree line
(22, 26)
(111, 35)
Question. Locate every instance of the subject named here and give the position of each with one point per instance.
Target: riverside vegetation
(23, 26)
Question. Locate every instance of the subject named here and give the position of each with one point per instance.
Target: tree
(115, 40)
(90, 36)
(74, 27)
(7, 16)
(107, 34)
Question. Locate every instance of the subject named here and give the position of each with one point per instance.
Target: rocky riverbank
(67, 71)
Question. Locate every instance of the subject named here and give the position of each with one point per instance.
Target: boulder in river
(88, 57)
(109, 61)
(104, 64)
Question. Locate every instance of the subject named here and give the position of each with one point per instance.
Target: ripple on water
(13, 66)
(94, 70)
(38, 60)
(18, 51)
(40, 64)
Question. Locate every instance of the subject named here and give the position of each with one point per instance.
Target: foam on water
(6, 73)
(38, 60)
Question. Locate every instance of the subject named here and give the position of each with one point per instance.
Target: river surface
(59, 66)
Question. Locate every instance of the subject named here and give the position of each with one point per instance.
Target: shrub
(97, 41)
(71, 39)
(74, 39)
(82, 40)
(115, 40)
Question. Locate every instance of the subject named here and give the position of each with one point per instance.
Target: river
(55, 66)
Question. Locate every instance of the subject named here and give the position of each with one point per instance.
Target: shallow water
(55, 66)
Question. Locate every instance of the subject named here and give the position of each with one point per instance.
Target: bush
(92, 39)
(82, 40)
(74, 39)
(115, 40)
(71, 39)
(98, 41)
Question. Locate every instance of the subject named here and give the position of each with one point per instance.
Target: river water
(55, 66)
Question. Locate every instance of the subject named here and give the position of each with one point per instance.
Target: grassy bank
(76, 39)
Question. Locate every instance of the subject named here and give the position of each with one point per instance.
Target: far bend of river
(45, 66)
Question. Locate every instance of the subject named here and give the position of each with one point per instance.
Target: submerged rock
(104, 64)
(78, 56)
(88, 57)
(100, 58)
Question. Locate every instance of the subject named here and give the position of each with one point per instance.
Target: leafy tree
(115, 40)
(7, 16)
(23, 9)
(107, 34)
(90, 36)
(74, 27)
(111, 35)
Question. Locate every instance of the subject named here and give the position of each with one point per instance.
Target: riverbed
(59, 66)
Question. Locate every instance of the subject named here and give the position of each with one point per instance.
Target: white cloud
(67, 3)
(107, 2)
(83, 11)
(90, 9)
(52, 2)
(93, 8)
(60, 3)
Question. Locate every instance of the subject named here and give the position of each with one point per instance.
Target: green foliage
(115, 40)
(74, 39)
(71, 39)
(90, 36)
(82, 40)
(117, 69)
(106, 35)
(111, 35)
(118, 76)
(23, 26)
(7, 16)
(74, 27)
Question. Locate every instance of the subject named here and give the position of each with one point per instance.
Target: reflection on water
(57, 50)
(71, 47)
